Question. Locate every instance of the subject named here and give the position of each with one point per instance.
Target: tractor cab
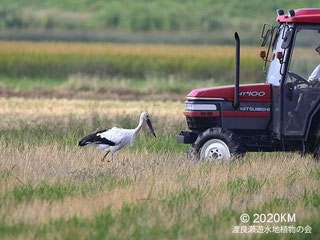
(283, 114)
(292, 61)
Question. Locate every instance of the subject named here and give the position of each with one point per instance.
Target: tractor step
(187, 137)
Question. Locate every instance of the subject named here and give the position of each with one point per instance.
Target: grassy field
(54, 94)
(119, 71)
(144, 21)
(50, 188)
(92, 87)
(60, 60)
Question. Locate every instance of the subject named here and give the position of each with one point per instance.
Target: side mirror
(262, 54)
(266, 31)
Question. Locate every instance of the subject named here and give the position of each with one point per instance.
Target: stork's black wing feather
(94, 138)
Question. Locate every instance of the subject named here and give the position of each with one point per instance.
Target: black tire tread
(316, 153)
(231, 139)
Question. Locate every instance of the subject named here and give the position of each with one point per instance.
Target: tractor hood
(247, 93)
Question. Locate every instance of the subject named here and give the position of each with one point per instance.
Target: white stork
(112, 140)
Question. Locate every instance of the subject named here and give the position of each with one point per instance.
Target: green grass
(67, 133)
(29, 83)
(45, 191)
(164, 215)
(130, 217)
(36, 136)
(87, 83)
(60, 65)
(250, 185)
(214, 18)
(133, 220)
(158, 88)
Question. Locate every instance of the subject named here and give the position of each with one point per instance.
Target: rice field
(52, 189)
(119, 71)
(75, 48)
(60, 60)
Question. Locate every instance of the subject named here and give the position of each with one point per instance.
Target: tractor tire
(216, 144)
(316, 153)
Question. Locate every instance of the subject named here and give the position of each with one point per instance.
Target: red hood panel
(248, 92)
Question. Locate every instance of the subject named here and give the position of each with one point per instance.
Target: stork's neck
(138, 128)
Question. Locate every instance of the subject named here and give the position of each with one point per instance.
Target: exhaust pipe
(236, 81)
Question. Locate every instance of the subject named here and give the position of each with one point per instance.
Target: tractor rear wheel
(316, 153)
(216, 144)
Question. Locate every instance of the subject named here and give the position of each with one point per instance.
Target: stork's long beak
(150, 126)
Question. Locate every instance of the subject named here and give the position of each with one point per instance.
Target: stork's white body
(114, 139)
(121, 137)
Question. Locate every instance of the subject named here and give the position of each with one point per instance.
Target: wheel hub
(215, 149)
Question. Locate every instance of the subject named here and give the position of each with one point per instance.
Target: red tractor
(282, 114)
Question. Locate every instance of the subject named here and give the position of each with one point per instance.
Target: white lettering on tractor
(255, 109)
(253, 94)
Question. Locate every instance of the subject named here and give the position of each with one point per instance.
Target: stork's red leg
(104, 157)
